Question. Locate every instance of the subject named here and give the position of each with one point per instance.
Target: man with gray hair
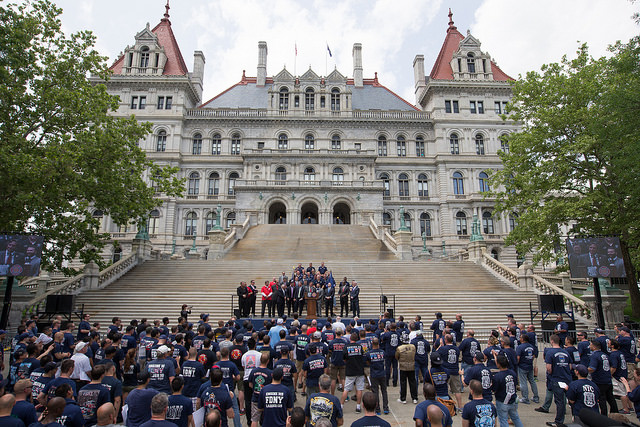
(324, 404)
(159, 405)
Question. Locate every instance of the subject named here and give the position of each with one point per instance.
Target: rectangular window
(447, 106)
(382, 148)
(480, 107)
(261, 145)
(497, 107)
(168, 103)
(134, 102)
(322, 102)
(455, 107)
(402, 149)
(472, 107)
(357, 146)
(296, 101)
(504, 107)
(160, 102)
(143, 103)
(420, 148)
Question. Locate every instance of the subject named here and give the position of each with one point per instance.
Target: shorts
(299, 364)
(337, 371)
(618, 388)
(631, 369)
(240, 384)
(358, 381)
(455, 385)
(255, 413)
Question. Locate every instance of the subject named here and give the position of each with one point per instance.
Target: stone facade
(319, 149)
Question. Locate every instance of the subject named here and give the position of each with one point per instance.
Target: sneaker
(536, 399)
(340, 387)
(377, 411)
(415, 400)
(541, 409)
(402, 401)
(525, 401)
(555, 424)
(300, 385)
(346, 399)
(358, 410)
(386, 412)
(354, 397)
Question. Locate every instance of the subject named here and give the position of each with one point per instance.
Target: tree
(575, 164)
(61, 151)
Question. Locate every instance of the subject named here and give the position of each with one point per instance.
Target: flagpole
(325, 60)
(295, 59)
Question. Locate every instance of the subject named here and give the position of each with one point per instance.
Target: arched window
(213, 184)
(235, 144)
(382, 146)
(194, 183)
(210, 221)
(191, 224)
(284, 98)
(386, 219)
(99, 215)
(461, 223)
(231, 219)
(161, 143)
(144, 57)
(117, 254)
(425, 224)
(513, 221)
(504, 144)
(309, 99)
(483, 180)
(407, 221)
(401, 146)
(479, 144)
(309, 142)
(283, 142)
(338, 176)
(196, 147)
(423, 187)
(420, 152)
(309, 174)
(216, 144)
(403, 185)
(281, 175)
(387, 186)
(471, 63)
(458, 183)
(233, 176)
(335, 142)
(494, 254)
(487, 223)
(153, 222)
(335, 99)
(454, 143)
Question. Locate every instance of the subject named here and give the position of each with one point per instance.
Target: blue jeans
(506, 411)
(560, 399)
(391, 363)
(524, 377)
(421, 369)
(465, 367)
(237, 421)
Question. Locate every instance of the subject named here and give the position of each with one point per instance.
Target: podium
(311, 304)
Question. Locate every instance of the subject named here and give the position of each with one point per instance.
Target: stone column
(403, 238)
(92, 274)
(43, 279)
(525, 271)
(476, 249)
(216, 244)
(142, 248)
(566, 282)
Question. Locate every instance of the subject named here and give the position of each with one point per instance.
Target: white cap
(163, 349)
(80, 346)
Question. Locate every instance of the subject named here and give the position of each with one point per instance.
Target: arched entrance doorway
(309, 213)
(341, 214)
(277, 213)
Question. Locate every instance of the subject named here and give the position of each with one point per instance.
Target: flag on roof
(329, 50)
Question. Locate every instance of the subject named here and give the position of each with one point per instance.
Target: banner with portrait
(20, 254)
(591, 257)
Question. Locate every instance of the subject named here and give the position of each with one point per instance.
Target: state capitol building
(311, 149)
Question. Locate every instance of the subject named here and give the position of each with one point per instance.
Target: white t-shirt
(250, 360)
(81, 367)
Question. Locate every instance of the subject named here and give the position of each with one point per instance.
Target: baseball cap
(163, 349)
(80, 346)
(436, 359)
(163, 337)
(582, 370)
(280, 321)
(510, 315)
(598, 331)
(626, 329)
(317, 335)
(23, 336)
(438, 314)
(404, 338)
(479, 356)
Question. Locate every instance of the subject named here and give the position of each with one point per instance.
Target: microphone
(592, 418)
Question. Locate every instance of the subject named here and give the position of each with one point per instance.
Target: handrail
(500, 268)
(373, 227)
(390, 241)
(76, 284)
(230, 239)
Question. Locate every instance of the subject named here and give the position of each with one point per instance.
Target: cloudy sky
(520, 35)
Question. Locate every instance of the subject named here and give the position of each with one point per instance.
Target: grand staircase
(158, 288)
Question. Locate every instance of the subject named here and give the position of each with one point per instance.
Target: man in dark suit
(301, 291)
(344, 292)
(615, 263)
(11, 256)
(354, 297)
(592, 260)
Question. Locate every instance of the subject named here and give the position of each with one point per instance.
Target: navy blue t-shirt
(585, 353)
(288, 369)
(560, 365)
(375, 359)
(526, 354)
(315, 366)
(72, 415)
(504, 386)
(90, 398)
(192, 372)
(617, 361)
(370, 421)
(602, 368)
(229, 370)
(391, 341)
(585, 394)
(421, 413)
(480, 413)
(161, 370)
(139, 403)
(10, 421)
(50, 388)
(301, 344)
(483, 374)
(179, 409)
(422, 350)
(438, 326)
(217, 398)
(259, 377)
(25, 411)
(275, 400)
(450, 355)
(468, 349)
(323, 405)
(439, 377)
(336, 348)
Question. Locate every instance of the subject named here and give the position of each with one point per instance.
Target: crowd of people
(292, 293)
(288, 372)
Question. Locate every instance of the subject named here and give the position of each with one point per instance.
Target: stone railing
(230, 240)
(390, 242)
(526, 278)
(460, 256)
(357, 114)
(91, 278)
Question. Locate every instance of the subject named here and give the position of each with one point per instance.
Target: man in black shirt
(354, 369)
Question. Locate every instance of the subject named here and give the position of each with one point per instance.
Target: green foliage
(61, 151)
(574, 166)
